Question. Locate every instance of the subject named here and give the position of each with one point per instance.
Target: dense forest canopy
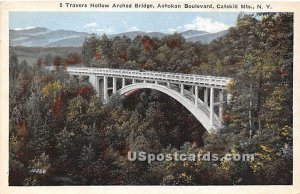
(59, 125)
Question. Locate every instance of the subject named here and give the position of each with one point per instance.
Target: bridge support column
(123, 82)
(181, 89)
(192, 89)
(206, 96)
(93, 79)
(221, 99)
(196, 96)
(229, 96)
(211, 117)
(105, 94)
(114, 85)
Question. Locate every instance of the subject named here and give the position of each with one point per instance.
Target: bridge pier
(191, 89)
(123, 82)
(114, 85)
(221, 99)
(94, 80)
(181, 89)
(196, 96)
(206, 96)
(229, 97)
(211, 108)
(105, 90)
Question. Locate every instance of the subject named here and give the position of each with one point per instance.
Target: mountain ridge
(44, 37)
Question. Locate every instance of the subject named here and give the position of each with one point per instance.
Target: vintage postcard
(183, 97)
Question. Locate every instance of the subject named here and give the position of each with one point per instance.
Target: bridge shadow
(180, 125)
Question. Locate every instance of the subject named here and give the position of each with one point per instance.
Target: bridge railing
(223, 81)
(164, 74)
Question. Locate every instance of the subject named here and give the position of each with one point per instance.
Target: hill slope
(43, 37)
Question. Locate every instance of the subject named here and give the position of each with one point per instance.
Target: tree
(90, 47)
(174, 41)
(72, 59)
(39, 62)
(57, 123)
(48, 59)
(57, 61)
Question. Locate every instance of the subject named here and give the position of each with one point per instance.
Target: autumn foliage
(58, 123)
(147, 43)
(72, 59)
(21, 128)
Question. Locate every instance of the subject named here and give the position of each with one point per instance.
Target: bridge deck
(202, 80)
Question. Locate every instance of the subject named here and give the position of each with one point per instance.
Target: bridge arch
(104, 81)
(199, 112)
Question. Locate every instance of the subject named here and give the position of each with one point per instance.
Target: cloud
(104, 30)
(128, 28)
(29, 27)
(172, 30)
(133, 28)
(95, 28)
(205, 24)
(91, 25)
(18, 29)
(25, 28)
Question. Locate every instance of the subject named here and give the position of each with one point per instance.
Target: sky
(118, 22)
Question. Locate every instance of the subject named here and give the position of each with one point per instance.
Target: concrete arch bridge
(202, 95)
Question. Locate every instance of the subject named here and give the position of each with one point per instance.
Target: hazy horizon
(115, 23)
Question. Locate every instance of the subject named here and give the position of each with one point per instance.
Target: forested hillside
(61, 134)
(48, 55)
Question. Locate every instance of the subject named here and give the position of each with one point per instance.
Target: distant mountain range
(44, 37)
